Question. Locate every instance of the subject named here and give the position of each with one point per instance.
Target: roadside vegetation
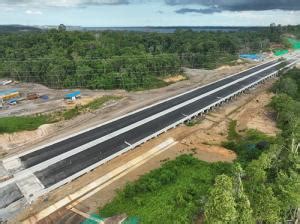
(30, 123)
(171, 194)
(26, 123)
(193, 122)
(124, 60)
(261, 186)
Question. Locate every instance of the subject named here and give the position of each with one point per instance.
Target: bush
(249, 146)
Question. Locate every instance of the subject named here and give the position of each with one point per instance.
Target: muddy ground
(203, 139)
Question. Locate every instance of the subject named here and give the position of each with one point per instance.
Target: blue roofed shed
(72, 96)
(7, 92)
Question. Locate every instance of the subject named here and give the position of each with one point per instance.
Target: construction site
(204, 139)
(133, 127)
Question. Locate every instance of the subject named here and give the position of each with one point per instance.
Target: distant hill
(17, 28)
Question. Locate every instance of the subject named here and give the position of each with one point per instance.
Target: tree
(243, 206)
(287, 189)
(244, 209)
(62, 28)
(220, 207)
(267, 206)
(288, 86)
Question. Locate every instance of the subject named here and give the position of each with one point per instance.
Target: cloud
(212, 6)
(60, 3)
(33, 12)
(202, 11)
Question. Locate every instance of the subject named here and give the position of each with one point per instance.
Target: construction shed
(9, 94)
(72, 96)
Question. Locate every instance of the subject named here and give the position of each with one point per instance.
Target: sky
(108, 13)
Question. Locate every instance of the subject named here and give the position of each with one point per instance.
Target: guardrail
(130, 147)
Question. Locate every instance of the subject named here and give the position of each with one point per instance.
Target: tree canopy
(126, 60)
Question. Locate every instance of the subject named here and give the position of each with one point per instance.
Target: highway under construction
(38, 171)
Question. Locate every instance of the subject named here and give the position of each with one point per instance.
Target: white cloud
(59, 3)
(33, 12)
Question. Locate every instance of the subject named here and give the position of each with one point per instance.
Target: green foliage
(193, 122)
(71, 113)
(243, 206)
(121, 60)
(99, 102)
(272, 179)
(220, 207)
(244, 209)
(28, 123)
(266, 207)
(232, 133)
(249, 146)
(287, 105)
(288, 86)
(287, 188)
(174, 193)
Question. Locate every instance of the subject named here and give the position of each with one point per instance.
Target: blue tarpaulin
(11, 101)
(251, 56)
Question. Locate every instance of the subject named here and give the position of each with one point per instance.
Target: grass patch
(174, 193)
(71, 113)
(30, 123)
(97, 103)
(27, 123)
(193, 122)
(232, 133)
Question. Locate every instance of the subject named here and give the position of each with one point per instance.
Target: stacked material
(9, 94)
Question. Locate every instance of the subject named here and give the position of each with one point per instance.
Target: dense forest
(126, 60)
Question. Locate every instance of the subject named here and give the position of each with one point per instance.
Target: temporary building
(9, 94)
(73, 96)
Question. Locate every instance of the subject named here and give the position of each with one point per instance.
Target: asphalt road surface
(71, 165)
(56, 149)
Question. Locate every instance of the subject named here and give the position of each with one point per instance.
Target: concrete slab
(30, 186)
(9, 194)
(12, 164)
(3, 171)
(12, 210)
(4, 175)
